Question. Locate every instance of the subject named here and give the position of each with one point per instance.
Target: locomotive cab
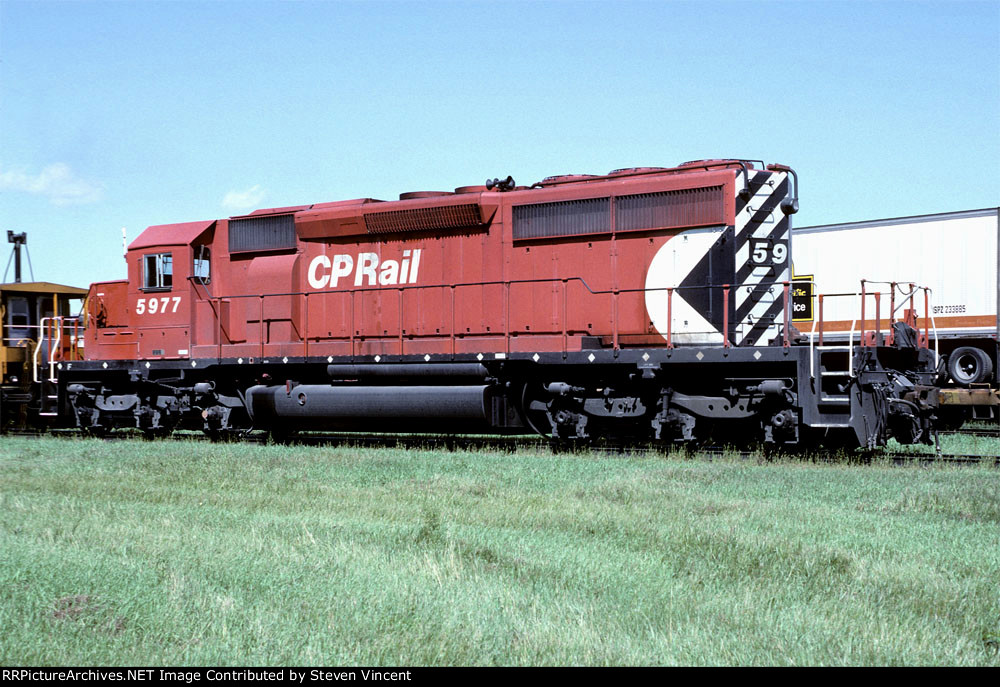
(150, 315)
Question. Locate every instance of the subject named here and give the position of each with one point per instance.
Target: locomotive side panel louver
(267, 233)
(684, 208)
(424, 219)
(565, 218)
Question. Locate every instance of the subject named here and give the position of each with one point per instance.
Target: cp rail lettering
(367, 268)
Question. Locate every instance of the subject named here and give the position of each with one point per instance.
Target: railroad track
(973, 432)
(515, 443)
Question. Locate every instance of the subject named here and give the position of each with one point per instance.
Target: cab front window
(157, 272)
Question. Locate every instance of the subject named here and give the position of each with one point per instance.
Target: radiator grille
(424, 219)
(566, 218)
(271, 232)
(685, 208)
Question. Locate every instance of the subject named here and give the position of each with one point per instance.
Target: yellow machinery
(38, 325)
(39, 328)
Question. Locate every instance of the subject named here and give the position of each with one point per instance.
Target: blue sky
(137, 113)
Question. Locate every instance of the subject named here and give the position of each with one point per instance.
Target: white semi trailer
(955, 254)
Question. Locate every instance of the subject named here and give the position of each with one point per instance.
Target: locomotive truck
(646, 304)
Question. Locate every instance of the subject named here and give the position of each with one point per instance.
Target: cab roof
(183, 234)
(45, 287)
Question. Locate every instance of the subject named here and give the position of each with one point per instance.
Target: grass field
(191, 553)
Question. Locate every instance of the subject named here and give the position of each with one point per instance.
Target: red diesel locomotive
(648, 303)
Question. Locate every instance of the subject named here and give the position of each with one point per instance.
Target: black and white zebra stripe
(763, 259)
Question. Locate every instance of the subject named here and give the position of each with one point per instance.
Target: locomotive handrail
(301, 328)
(818, 323)
(613, 292)
(36, 354)
(53, 334)
(907, 296)
(930, 316)
(54, 348)
(500, 282)
(850, 349)
(55, 322)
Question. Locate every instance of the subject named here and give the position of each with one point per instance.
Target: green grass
(191, 553)
(960, 444)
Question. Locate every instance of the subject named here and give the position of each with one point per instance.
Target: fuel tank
(371, 408)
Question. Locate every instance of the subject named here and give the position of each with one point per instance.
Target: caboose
(645, 304)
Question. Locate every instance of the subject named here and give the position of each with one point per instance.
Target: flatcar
(647, 304)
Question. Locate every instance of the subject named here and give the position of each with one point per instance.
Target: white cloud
(58, 182)
(243, 200)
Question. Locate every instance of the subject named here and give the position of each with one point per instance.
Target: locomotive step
(16, 398)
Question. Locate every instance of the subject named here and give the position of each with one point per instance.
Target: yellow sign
(802, 298)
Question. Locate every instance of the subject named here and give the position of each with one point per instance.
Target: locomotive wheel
(536, 419)
(968, 365)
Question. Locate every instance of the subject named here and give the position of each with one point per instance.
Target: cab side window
(157, 271)
(202, 267)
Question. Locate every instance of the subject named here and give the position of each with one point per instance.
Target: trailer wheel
(968, 365)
